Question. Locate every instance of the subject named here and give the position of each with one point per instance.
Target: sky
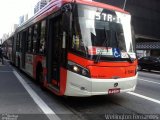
(11, 10)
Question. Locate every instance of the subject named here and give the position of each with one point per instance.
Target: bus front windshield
(101, 32)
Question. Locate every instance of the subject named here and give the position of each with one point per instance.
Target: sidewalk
(14, 99)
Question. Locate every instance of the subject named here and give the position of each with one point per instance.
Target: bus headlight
(78, 69)
(75, 68)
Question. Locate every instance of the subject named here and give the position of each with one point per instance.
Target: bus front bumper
(78, 85)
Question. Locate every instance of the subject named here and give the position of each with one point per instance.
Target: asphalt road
(16, 100)
(146, 101)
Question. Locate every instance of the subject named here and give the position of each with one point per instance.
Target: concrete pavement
(14, 99)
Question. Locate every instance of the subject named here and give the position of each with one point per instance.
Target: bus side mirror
(67, 21)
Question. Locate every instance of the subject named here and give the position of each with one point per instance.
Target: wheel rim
(139, 67)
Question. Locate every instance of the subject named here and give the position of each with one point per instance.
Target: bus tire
(139, 68)
(19, 62)
(39, 75)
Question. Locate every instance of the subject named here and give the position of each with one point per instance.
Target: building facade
(40, 5)
(23, 19)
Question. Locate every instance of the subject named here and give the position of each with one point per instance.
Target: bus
(7, 48)
(78, 48)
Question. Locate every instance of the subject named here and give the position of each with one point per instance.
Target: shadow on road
(151, 71)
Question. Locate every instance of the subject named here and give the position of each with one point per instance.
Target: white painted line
(149, 73)
(149, 81)
(2, 65)
(44, 107)
(144, 97)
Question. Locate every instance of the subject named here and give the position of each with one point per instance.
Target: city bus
(7, 47)
(78, 48)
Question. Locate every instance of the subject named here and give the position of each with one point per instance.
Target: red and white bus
(78, 48)
(7, 48)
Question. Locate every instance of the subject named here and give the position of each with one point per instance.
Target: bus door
(54, 53)
(24, 36)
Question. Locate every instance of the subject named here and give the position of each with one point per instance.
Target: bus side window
(35, 38)
(42, 37)
(18, 43)
(26, 42)
(30, 40)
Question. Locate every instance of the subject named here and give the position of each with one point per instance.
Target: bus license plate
(114, 90)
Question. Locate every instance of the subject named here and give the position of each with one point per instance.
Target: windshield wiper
(130, 58)
(117, 39)
(104, 44)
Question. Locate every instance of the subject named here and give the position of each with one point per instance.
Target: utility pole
(124, 5)
(0, 41)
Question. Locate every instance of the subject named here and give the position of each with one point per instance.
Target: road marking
(149, 81)
(44, 107)
(2, 65)
(144, 97)
(155, 74)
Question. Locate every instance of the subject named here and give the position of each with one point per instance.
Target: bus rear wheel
(39, 76)
(139, 68)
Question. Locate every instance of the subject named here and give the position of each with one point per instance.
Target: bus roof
(99, 4)
(55, 5)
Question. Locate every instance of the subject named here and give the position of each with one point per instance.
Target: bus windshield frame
(101, 32)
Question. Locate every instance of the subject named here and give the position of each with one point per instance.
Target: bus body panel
(31, 62)
(98, 4)
(63, 80)
(39, 59)
(87, 62)
(104, 74)
(108, 72)
(106, 69)
(103, 77)
(29, 67)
